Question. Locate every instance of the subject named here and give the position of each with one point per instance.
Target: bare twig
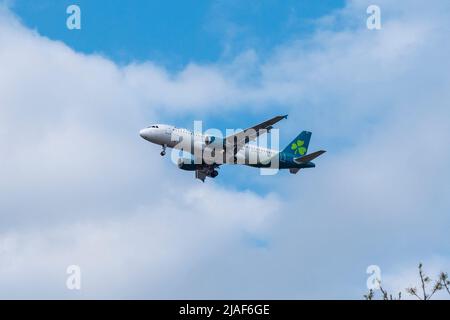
(413, 292)
(369, 295)
(443, 277)
(423, 281)
(442, 282)
(384, 292)
(437, 286)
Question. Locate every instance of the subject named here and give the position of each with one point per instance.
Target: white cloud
(139, 251)
(78, 184)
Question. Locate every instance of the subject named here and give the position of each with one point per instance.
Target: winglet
(285, 116)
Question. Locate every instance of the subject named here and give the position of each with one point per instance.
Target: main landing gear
(163, 152)
(214, 174)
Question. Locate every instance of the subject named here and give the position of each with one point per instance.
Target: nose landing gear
(163, 152)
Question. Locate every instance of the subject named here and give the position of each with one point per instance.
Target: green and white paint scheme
(294, 157)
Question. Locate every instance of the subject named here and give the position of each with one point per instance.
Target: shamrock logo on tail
(298, 147)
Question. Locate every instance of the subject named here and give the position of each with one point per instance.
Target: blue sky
(175, 33)
(376, 100)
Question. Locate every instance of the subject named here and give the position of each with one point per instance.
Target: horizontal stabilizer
(309, 157)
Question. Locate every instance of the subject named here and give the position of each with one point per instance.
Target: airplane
(293, 157)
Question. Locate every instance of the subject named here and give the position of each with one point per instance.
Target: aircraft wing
(241, 138)
(309, 157)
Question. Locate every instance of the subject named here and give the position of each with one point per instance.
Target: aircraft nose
(143, 133)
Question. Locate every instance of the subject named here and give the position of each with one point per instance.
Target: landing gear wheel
(163, 152)
(214, 174)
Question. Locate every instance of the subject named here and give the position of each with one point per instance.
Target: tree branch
(423, 282)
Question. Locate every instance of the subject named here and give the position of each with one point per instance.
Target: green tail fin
(299, 146)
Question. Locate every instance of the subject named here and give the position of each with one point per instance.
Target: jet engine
(209, 139)
(187, 164)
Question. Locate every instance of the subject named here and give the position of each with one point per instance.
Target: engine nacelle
(209, 139)
(188, 165)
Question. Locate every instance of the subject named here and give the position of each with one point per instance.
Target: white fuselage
(172, 137)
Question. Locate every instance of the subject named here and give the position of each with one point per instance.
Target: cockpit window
(153, 127)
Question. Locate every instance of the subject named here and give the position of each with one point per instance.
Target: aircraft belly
(252, 158)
